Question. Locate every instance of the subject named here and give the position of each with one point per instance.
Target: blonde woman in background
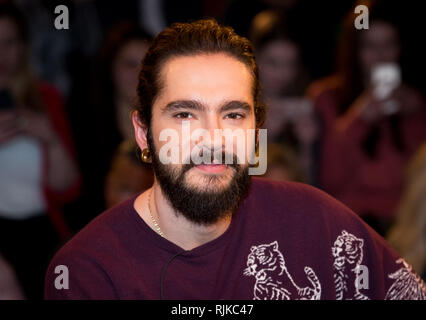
(408, 235)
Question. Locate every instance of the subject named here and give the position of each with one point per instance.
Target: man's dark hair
(188, 39)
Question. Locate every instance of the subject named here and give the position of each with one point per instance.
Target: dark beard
(201, 207)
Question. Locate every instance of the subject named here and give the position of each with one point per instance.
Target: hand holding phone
(385, 78)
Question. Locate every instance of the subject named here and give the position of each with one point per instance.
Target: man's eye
(183, 115)
(234, 116)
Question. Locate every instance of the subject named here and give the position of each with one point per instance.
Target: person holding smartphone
(291, 120)
(372, 121)
(37, 170)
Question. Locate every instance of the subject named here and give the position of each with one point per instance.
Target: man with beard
(205, 230)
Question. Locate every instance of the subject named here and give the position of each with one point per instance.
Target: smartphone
(385, 78)
(6, 100)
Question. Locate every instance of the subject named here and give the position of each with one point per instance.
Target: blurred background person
(37, 170)
(408, 235)
(128, 175)
(283, 164)
(49, 46)
(116, 79)
(315, 25)
(290, 118)
(100, 108)
(368, 137)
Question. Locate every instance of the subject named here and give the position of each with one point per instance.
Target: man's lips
(212, 168)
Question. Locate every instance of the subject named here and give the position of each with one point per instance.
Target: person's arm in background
(337, 164)
(51, 129)
(9, 286)
(62, 174)
(367, 109)
(61, 170)
(356, 121)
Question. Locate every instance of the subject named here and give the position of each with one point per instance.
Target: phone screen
(385, 78)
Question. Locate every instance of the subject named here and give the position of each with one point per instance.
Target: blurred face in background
(125, 69)
(11, 51)
(126, 179)
(278, 63)
(379, 44)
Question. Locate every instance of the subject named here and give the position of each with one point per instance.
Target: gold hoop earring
(146, 155)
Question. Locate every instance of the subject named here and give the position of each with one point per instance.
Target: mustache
(218, 155)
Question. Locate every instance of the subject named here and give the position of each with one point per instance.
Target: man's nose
(213, 124)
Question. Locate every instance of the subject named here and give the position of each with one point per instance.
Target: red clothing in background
(369, 186)
(55, 110)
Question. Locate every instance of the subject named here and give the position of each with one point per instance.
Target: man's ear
(141, 131)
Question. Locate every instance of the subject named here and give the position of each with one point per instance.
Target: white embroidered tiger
(273, 281)
(407, 285)
(348, 253)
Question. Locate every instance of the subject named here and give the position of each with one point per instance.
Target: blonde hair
(408, 235)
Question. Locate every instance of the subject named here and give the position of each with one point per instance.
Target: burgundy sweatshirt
(285, 241)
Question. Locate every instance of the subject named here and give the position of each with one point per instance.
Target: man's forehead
(206, 59)
(205, 77)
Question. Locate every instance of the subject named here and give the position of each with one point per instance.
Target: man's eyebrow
(183, 104)
(198, 106)
(235, 104)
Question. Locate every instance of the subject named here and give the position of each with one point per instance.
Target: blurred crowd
(346, 112)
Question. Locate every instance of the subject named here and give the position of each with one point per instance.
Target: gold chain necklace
(156, 225)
